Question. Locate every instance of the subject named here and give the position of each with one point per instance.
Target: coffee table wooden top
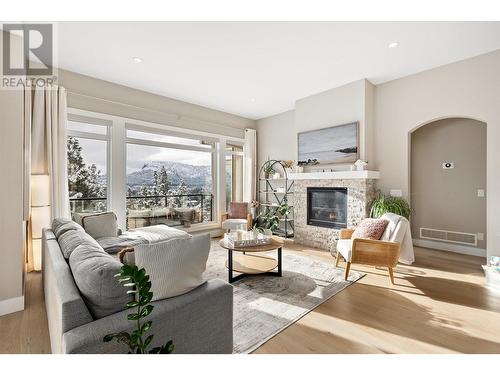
(275, 244)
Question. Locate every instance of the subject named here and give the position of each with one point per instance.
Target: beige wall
(277, 138)
(337, 106)
(466, 89)
(447, 198)
(11, 199)
(96, 95)
(11, 220)
(277, 135)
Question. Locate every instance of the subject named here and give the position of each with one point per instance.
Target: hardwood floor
(438, 305)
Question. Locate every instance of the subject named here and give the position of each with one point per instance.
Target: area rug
(266, 305)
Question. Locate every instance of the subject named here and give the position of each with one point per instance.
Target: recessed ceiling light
(252, 100)
(137, 59)
(393, 44)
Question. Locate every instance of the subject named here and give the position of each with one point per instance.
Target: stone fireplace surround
(361, 190)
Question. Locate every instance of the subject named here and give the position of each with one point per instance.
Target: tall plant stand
(273, 193)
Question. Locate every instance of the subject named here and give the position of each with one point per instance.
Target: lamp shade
(40, 218)
(37, 254)
(40, 190)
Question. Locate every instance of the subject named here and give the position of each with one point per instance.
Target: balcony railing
(173, 210)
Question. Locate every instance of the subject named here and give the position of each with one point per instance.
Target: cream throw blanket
(398, 230)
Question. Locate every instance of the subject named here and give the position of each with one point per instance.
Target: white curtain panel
(48, 149)
(27, 154)
(249, 165)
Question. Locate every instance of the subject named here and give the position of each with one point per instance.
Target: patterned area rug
(266, 305)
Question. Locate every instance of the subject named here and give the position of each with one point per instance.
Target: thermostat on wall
(448, 165)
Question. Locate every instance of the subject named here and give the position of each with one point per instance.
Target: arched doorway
(448, 185)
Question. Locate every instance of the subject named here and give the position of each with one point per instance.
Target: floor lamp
(40, 214)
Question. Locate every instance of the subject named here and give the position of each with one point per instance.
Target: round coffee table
(251, 261)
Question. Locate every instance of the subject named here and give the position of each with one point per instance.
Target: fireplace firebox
(327, 207)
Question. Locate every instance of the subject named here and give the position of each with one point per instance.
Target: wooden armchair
(367, 251)
(237, 217)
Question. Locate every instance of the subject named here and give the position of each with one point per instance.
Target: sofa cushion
(68, 227)
(100, 225)
(175, 266)
(71, 239)
(94, 271)
(370, 228)
(61, 226)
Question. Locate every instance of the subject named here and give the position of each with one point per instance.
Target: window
(234, 174)
(170, 179)
(87, 149)
(149, 173)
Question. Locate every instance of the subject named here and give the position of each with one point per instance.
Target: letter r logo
(36, 53)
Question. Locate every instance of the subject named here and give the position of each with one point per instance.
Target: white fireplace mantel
(337, 175)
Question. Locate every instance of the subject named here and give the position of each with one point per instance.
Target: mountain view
(196, 177)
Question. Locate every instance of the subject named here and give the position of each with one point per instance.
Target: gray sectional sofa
(84, 302)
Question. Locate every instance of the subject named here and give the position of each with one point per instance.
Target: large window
(170, 179)
(87, 166)
(150, 174)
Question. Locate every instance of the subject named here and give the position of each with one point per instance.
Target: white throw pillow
(175, 266)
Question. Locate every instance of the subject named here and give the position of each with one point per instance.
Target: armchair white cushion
(234, 224)
(397, 231)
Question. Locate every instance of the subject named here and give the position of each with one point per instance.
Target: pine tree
(161, 181)
(83, 179)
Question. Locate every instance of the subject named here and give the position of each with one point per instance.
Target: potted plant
(397, 205)
(268, 220)
(137, 279)
(268, 169)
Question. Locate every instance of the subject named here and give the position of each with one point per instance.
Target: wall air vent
(448, 236)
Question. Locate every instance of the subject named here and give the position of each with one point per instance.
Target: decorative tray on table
(247, 239)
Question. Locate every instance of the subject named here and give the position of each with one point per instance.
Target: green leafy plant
(396, 205)
(137, 279)
(284, 209)
(268, 168)
(270, 220)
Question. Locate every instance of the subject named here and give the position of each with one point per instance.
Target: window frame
(233, 153)
(95, 136)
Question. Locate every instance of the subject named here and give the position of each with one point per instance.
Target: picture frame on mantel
(332, 145)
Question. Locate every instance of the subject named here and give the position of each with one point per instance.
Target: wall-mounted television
(333, 145)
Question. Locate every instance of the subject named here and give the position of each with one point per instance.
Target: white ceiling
(259, 69)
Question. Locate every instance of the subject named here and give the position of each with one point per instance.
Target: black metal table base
(232, 278)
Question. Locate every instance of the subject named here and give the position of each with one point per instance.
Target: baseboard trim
(454, 248)
(11, 305)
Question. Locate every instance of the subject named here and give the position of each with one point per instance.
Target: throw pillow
(238, 210)
(174, 267)
(100, 225)
(370, 228)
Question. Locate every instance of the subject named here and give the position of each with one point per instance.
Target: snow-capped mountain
(194, 176)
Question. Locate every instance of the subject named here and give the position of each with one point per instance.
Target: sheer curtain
(45, 109)
(249, 165)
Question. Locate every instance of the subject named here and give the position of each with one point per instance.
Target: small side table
(251, 262)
